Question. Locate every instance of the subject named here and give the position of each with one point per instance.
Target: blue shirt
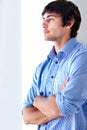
(71, 62)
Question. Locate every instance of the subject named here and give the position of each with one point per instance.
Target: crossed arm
(44, 109)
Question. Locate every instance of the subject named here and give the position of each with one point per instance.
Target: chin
(47, 39)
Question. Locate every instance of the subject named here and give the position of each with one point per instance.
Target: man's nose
(44, 24)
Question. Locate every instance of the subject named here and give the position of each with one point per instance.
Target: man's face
(52, 27)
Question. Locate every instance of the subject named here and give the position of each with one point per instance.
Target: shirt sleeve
(34, 89)
(74, 94)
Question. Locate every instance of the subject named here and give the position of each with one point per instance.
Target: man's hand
(64, 84)
(47, 106)
(43, 109)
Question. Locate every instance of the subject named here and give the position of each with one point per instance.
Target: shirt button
(49, 93)
(52, 77)
(56, 62)
(41, 93)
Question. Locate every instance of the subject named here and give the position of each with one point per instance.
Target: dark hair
(67, 11)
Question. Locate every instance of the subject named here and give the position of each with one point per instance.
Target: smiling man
(59, 88)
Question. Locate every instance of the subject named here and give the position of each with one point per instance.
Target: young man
(59, 88)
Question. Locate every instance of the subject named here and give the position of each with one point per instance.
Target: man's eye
(50, 19)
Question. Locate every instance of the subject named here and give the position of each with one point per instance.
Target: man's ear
(70, 23)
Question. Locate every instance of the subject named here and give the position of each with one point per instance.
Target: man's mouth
(45, 31)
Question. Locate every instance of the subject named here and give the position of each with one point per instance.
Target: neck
(60, 44)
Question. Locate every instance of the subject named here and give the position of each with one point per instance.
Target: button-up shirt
(49, 76)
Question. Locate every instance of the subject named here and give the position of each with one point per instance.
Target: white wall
(10, 65)
(83, 29)
(34, 48)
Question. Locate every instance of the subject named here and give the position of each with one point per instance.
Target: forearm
(48, 106)
(43, 109)
(32, 115)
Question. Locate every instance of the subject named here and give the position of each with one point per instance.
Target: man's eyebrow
(50, 15)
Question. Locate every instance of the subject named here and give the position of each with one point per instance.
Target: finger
(64, 84)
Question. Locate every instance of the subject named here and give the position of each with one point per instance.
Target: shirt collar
(52, 53)
(68, 47)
